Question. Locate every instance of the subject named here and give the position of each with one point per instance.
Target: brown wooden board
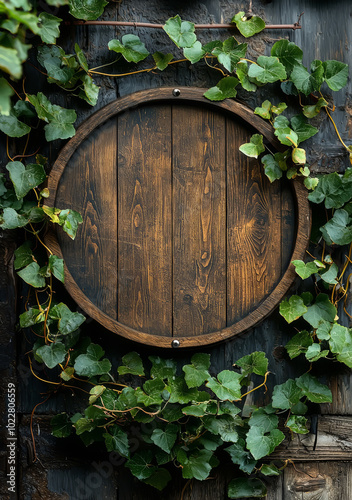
(184, 237)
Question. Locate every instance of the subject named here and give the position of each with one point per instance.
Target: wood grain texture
(199, 222)
(144, 220)
(88, 186)
(253, 229)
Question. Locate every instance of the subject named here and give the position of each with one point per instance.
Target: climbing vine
(194, 413)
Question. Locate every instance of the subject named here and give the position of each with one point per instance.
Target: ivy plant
(195, 415)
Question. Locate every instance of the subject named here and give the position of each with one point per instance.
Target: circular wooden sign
(184, 240)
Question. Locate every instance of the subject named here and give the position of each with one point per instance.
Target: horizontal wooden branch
(295, 26)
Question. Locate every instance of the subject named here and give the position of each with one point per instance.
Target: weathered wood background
(66, 469)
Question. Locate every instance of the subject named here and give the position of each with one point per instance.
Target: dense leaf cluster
(195, 414)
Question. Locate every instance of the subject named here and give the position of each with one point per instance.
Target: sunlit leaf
(180, 32)
(248, 26)
(131, 48)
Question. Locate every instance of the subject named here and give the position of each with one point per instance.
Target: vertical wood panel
(253, 228)
(91, 190)
(144, 220)
(199, 221)
(288, 218)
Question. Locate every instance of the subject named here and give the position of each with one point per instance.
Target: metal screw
(176, 92)
(175, 343)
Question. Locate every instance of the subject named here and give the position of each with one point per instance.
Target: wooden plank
(288, 225)
(88, 186)
(332, 442)
(253, 229)
(319, 481)
(144, 220)
(199, 218)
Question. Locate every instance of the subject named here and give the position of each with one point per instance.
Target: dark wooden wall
(65, 469)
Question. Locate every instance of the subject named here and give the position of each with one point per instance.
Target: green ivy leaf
(302, 128)
(264, 111)
(159, 479)
(243, 487)
(140, 465)
(25, 178)
(194, 53)
(5, 93)
(162, 60)
(339, 337)
(162, 368)
(81, 58)
(323, 330)
(306, 82)
(31, 275)
(270, 470)
(314, 353)
(292, 308)
(89, 10)
(267, 70)
(333, 190)
(49, 27)
(61, 425)
(254, 147)
(180, 393)
(229, 53)
(242, 73)
(288, 54)
(180, 32)
(59, 120)
(297, 424)
(321, 310)
(330, 275)
(13, 127)
(90, 92)
(68, 321)
(241, 457)
(225, 89)
(305, 270)
(339, 229)
(271, 168)
(10, 219)
(313, 389)
(256, 362)
(227, 386)
(335, 74)
(261, 444)
(248, 26)
(56, 266)
(54, 60)
(299, 344)
(310, 111)
(132, 364)
(131, 48)
(286, 395)
(88, 365)
(23, 255)
(197, 372)
(284, 133)
(311, 182)
(68, 219)
(196, 465)
(165, 437)
(10, 62)
(52, 354)
(117, 440)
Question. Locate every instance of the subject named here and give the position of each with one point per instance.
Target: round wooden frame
(303, 222)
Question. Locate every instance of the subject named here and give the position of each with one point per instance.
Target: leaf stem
(258, 387)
